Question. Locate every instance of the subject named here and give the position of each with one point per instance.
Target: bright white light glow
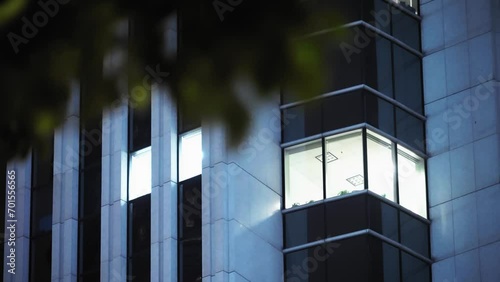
(139, 183)
(303, 174)
(190, 154)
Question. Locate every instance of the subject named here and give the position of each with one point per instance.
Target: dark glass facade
(139, 208)
(89, 200)
(354, 154)
(189, 201)
(190, 229)
(41, 214)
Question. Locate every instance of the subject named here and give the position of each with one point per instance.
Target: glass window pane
(346, 215)
(383, 218)
(89, 246)
(303, 174)
(190, 154)
(352, 261)
(140, 126)
(414, 234)
(413, 269)
(410, 129)
(190, 260)
(344, 163)
(406, 28)
(378, 65)
(140, 174)
(139, 224)
(90, 201)
(301, 121)
(307, 265)
(190, 209)
(41, 257)
(380, 113)
(385, 261)
(304, 226)
(408, 79)
(343, 110)
(41, 213)
(411, 179)
(380, 166)
(140, 267)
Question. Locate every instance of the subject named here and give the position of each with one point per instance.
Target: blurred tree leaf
(117, 49)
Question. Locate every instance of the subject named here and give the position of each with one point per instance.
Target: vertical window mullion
(365, 158)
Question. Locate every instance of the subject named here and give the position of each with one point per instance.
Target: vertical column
(65, 197)
(22, 168)
(114, 194)
(241, 207)
(461, 71)
(164, 191)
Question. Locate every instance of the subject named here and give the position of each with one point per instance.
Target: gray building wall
(461, 68)
(242, 235)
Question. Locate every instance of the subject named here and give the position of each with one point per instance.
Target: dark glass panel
(42, 168)
(379, 113)
(90, 244)
(140, 224)
(346, 60)
(140, 128)
(304, 226)
(90, 277)
(413, 269)
(414, 234)
(383, 218)
(408, 79)
(139, 267)
(346, 215)
(406, 28)
(378, 13)
(352, 260)
(307, 265)
(410, 129)
(41, 213)
(390, 257)
(41, 257)
(385, 261)
(90, 183)
(190, 209)
(378, 65)
(188, 121)
(343, 110)
(303, 121)
(190, 262)
(91, 146)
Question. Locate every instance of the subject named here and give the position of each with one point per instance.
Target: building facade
(391, 173)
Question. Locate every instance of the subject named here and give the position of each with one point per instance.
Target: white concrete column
(65, 195)
(22, 169)
(114, 194)
(241, 206)
(164, 191)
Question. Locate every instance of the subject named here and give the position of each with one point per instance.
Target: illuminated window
(304, 174)
(345, 174)
(380, 165)
(190, 154)
(140, 174)
(411, 177)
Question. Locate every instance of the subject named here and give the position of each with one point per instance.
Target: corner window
(303, 174)
(380, 165)
(411, 178)
(140, 173)
(346, 170)
(190, 154)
